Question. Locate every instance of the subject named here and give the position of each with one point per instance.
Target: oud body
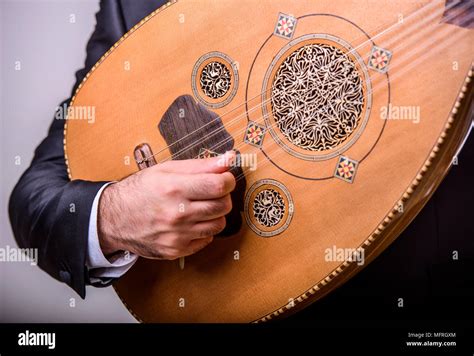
(351, 111)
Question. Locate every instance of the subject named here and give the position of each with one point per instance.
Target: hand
(167, 211)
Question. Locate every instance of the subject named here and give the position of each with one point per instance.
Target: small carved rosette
(215, 79)
(268, 207)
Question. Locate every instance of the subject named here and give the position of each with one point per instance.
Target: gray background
(51, 48)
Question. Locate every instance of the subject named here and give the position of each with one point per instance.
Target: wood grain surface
(401, 161)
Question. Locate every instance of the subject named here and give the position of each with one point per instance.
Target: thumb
(219, 164)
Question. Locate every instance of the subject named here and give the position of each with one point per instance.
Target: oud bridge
(144, 156)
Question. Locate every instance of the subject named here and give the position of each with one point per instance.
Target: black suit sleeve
(47, 210)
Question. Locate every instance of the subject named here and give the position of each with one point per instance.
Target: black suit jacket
(418, 267)
(41, 211)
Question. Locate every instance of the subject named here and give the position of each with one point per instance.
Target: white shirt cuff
(101, 270)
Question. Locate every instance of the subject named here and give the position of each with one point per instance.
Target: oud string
(439, 46)
(373, 90)
(239, 117)
(229, 124)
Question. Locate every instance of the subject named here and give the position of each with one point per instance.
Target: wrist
(106, 220)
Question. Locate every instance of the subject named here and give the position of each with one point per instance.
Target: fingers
(205, 210)
(200, 188)
(217, 164)
(204, 186)
(207, 228)
(197, 245)
(175, 252)
(172, 246)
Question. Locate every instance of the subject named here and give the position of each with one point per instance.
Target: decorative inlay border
(94, 67)
(394, 212)
(99, 62)
(368, 242)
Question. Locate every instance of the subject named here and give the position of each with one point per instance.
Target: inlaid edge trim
(99, 62)
(389, 217)
(94, 67)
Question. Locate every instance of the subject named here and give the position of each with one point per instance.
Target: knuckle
(218, 226)
(174, 218)
(232, 180)
(227, 205)
(219, 187)
(170, 188)
(220, 207)
(213, 228)
(205, 233)
(197, 187)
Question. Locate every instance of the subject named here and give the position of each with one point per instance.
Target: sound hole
(317, 97)
(269, 207)
(215, 80)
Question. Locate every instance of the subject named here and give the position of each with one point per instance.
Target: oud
(301, 87)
